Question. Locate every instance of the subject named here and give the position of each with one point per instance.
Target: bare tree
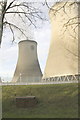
(21, 9)
(32, 13)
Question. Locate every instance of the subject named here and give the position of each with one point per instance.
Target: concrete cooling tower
(63, 53)
(27, 69)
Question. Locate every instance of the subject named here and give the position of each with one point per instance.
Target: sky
(9, 51)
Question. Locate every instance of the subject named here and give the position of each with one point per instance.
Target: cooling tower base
(63, 78)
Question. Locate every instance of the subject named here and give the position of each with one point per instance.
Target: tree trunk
(3, 4)
(0, 22)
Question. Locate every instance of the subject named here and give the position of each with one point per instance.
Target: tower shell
(63, 57)
(28, 68)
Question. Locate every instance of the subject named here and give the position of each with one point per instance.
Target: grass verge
(55, 101)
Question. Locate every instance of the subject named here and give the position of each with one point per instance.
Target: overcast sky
(9, 51)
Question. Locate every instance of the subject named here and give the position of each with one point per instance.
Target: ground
(54, 101)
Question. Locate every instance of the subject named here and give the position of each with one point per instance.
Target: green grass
(55, 101)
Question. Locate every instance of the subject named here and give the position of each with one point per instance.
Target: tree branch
(21, 30)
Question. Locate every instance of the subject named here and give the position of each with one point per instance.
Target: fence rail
(50, 80)
(39, 83)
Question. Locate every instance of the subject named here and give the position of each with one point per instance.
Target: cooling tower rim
(27, 41)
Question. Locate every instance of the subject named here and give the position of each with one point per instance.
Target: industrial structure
(63, 58)
(28, 68)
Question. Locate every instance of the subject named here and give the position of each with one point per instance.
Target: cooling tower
(27, 69)
(63, 52)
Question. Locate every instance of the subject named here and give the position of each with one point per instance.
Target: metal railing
(50, 80)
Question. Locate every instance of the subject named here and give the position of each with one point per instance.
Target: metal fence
(50, 80)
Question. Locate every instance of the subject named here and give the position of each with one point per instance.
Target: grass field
(55, 101)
